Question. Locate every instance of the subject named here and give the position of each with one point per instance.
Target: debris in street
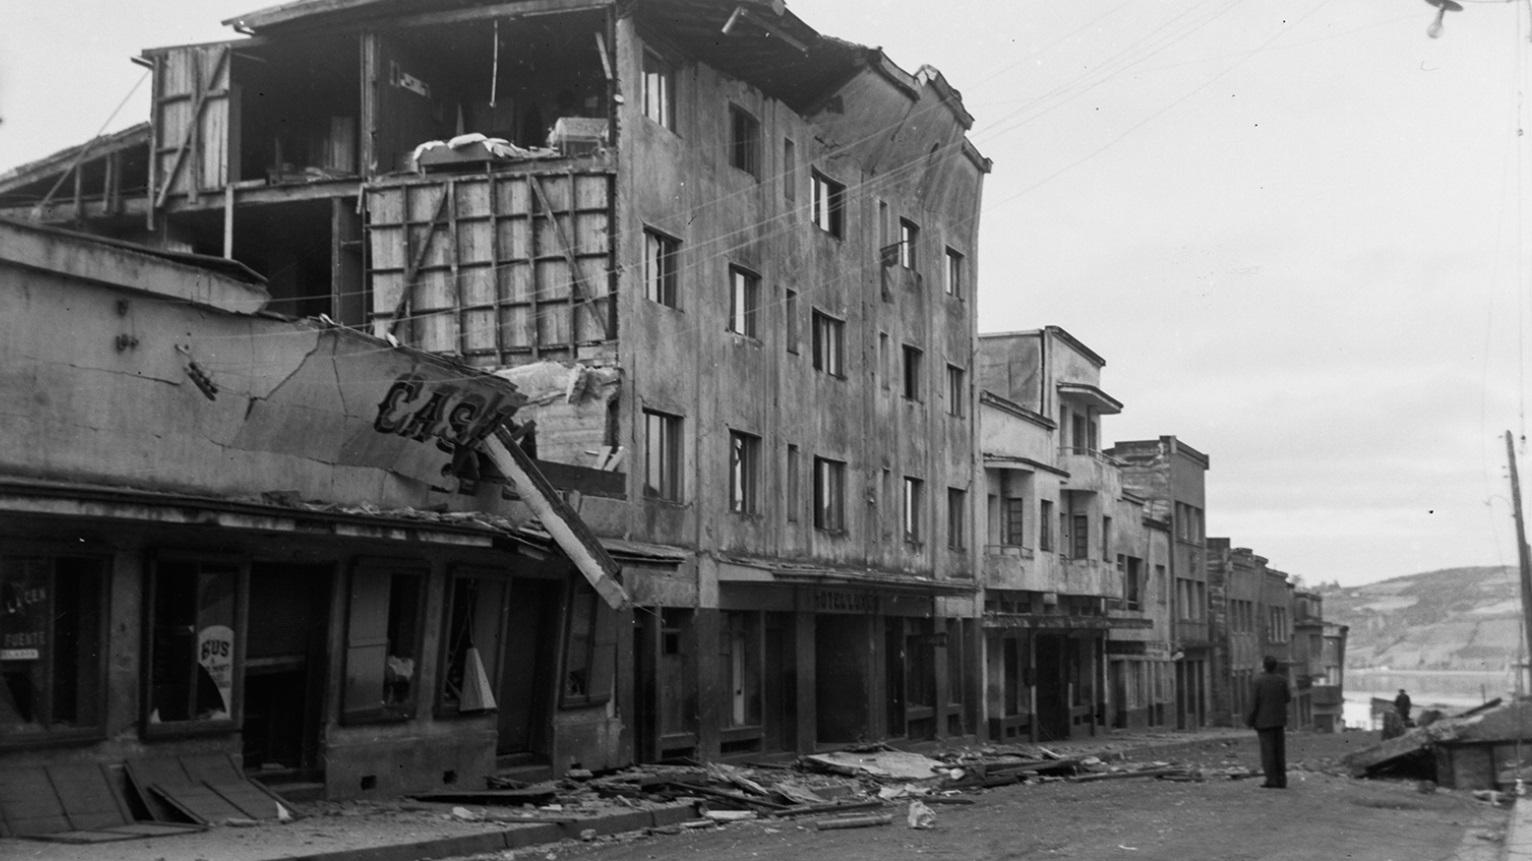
(881, 764)
(854, 822)
(920, 816)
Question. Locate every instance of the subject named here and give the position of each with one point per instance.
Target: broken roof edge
(216, 282)
(59, 161)
(315, 14)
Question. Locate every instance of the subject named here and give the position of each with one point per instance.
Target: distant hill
(1453, 619)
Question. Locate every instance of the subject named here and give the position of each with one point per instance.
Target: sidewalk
(354, 835)
(1518, 834)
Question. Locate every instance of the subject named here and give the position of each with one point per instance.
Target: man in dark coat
(1402, 706)
(1268, 717)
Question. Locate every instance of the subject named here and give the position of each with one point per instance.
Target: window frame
(957, 391)
(952, 274)
(829, 479)
(443, 706)
(829, 352)
(794, 491)
(52, 733)
(790, 314)
(909, 239)
(658, 107)
(914, 503)
(744, 141)
(671, 450)
(828, 205)
(662, 271)
(594, 648)
(374, 570)
(744, 473)
(240, 571)
(744, 302)
(912, 359)
(957, 519)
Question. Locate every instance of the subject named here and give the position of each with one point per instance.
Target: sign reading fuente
(23, 613)
(844, 601)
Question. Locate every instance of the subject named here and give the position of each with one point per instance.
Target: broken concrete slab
(880, 765)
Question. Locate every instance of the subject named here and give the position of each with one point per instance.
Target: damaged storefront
(231, 534)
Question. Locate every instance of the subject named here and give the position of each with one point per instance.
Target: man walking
(1268, 717)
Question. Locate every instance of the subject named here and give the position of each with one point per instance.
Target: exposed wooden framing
(537, 281)
(578, 291)
(79, 191)
(494, 264)
(111, 184)
(155, 76)
(454, 270)
(527, 9)
(194, 170)
(193, 124)
(403, 303)
(228, 221)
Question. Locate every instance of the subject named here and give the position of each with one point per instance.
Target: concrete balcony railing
(1090, 469)
(1010, 567)
(1094, 577)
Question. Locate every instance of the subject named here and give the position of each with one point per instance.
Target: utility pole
(1521, 541)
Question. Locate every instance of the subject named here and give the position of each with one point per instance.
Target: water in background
(1448, 690)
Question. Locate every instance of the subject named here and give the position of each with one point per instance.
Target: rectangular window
(1045, 526)
(957, 519)
(909, 234)
(1106, 538)
(744, 299)
(590, 652)
(829, 205)
(659, 91)
(952, 280)
(1079, 537)
(744, 472)
(383, 628)
(793, 499)
(744, 141)
(829, 349)
(1133, 585)
(192, 639)
(662, 456)
(472, 650)
(829, 495)
(52, 624)
(883, 371)
(789, 170)
(741, 665)
(790, 309)
(913, 358)
(957, 389)
(1015, 518)
(660, 269)
(914, 509)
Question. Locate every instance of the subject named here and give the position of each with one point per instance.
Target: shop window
(590, 650)
(383, 642)
(741, 665)
(475, 609)
(193, 643)
(52, 618)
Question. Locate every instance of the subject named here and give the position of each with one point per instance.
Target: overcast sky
(1294, 229)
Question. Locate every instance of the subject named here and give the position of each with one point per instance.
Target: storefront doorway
(284, 668)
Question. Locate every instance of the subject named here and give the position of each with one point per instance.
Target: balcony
(1007, 566)
(1090, 469)
(1093, 577)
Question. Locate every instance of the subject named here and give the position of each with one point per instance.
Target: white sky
(1294, 229)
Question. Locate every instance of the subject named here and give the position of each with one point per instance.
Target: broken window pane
(382, 643)
(51, 618)
(192, 641)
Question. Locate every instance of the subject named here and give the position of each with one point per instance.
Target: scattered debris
(865, 821)
(920, 816)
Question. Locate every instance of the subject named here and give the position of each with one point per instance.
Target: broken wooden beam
(854, 821)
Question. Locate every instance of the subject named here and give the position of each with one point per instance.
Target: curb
(515, 836)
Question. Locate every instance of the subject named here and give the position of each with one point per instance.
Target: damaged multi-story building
(728, 260)
(1076, 631)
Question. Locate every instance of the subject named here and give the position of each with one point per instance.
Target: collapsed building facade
(728, 260)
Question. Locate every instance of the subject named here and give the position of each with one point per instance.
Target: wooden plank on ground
(85, 791)
(28, 804)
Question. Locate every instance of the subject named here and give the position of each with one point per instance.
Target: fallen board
(68, 803)
(208, 790)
